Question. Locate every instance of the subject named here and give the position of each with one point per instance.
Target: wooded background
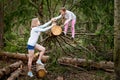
(94, 37)
(94, 27)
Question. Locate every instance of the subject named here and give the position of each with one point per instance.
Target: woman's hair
(34, 22)
(63, 9)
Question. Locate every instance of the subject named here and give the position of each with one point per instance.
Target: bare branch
(33, 4)
(48, 6)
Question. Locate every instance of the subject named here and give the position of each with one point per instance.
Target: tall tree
(117, 38)
(1, 23)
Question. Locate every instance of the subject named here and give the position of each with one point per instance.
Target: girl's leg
(42, 49)
(30, 59)
(73, 28)
(66, 28)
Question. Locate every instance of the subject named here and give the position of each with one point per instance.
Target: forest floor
(59, 72)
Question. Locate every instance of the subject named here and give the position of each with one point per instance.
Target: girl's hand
(53, 24)
(53, 19)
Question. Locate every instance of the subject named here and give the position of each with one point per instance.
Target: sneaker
(65, 33)
(39, 62)
(72, 38)
(30, 74)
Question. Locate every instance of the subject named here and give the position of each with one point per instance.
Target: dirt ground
(67, 74)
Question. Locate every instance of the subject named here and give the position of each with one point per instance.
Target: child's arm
(45, 25)
(45, 29)
(70, 18)
(56, 18)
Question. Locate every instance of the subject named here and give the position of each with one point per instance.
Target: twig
(64, 2)
(61, 46)
(78, 48)
(30, 1)
(49, 10)
(66, 47)
(55, 7)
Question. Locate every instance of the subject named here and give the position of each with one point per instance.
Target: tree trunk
(21, 56)
(15, 74)
(107, 66)
(41, 71)
(117, 38)
(7, 70)
(1, 23)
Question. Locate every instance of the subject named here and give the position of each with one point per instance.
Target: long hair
(34, 22)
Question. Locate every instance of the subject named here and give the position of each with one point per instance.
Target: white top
(68, 15)
(35, 32)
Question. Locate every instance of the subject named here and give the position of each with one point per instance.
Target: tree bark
(7, 70)
(41, 71)
(117, 38)
(1, 23)
(107, 66)
(15, 74)
(22, 56)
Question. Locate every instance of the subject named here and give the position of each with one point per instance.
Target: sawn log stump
(56, 30)
(41, 71)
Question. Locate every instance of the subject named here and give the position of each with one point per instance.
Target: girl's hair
(63, 9)
(34, 22)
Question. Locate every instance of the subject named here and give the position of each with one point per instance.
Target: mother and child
(36, 29)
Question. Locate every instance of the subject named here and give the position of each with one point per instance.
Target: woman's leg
(40, 48)
(66, 28)
(73, 28)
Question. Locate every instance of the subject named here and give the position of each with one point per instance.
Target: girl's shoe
(39, 62)
(30, 74)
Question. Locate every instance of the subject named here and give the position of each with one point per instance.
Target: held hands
(53, 19)
(54, 23)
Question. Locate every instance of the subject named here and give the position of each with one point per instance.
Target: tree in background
(117, 38)
(1, 23)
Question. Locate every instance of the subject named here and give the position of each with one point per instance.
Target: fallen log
(41, 71)
(104, 65)
(7, 70)
(21, 56)
(15, 74)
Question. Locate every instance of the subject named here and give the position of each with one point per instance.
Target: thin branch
(64, 2)
(55, 7)
(48, 6)
(61, 46)
(78, 47)
(80, 68)
(66, 47)
(33, 4)
(63, 42)
(72, 5)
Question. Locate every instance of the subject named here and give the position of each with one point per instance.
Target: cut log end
(56, 30)
(41, 71)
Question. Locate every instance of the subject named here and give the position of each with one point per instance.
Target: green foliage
(93, 16)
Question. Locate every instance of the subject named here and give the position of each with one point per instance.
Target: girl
(69, 16)
(32, 42)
